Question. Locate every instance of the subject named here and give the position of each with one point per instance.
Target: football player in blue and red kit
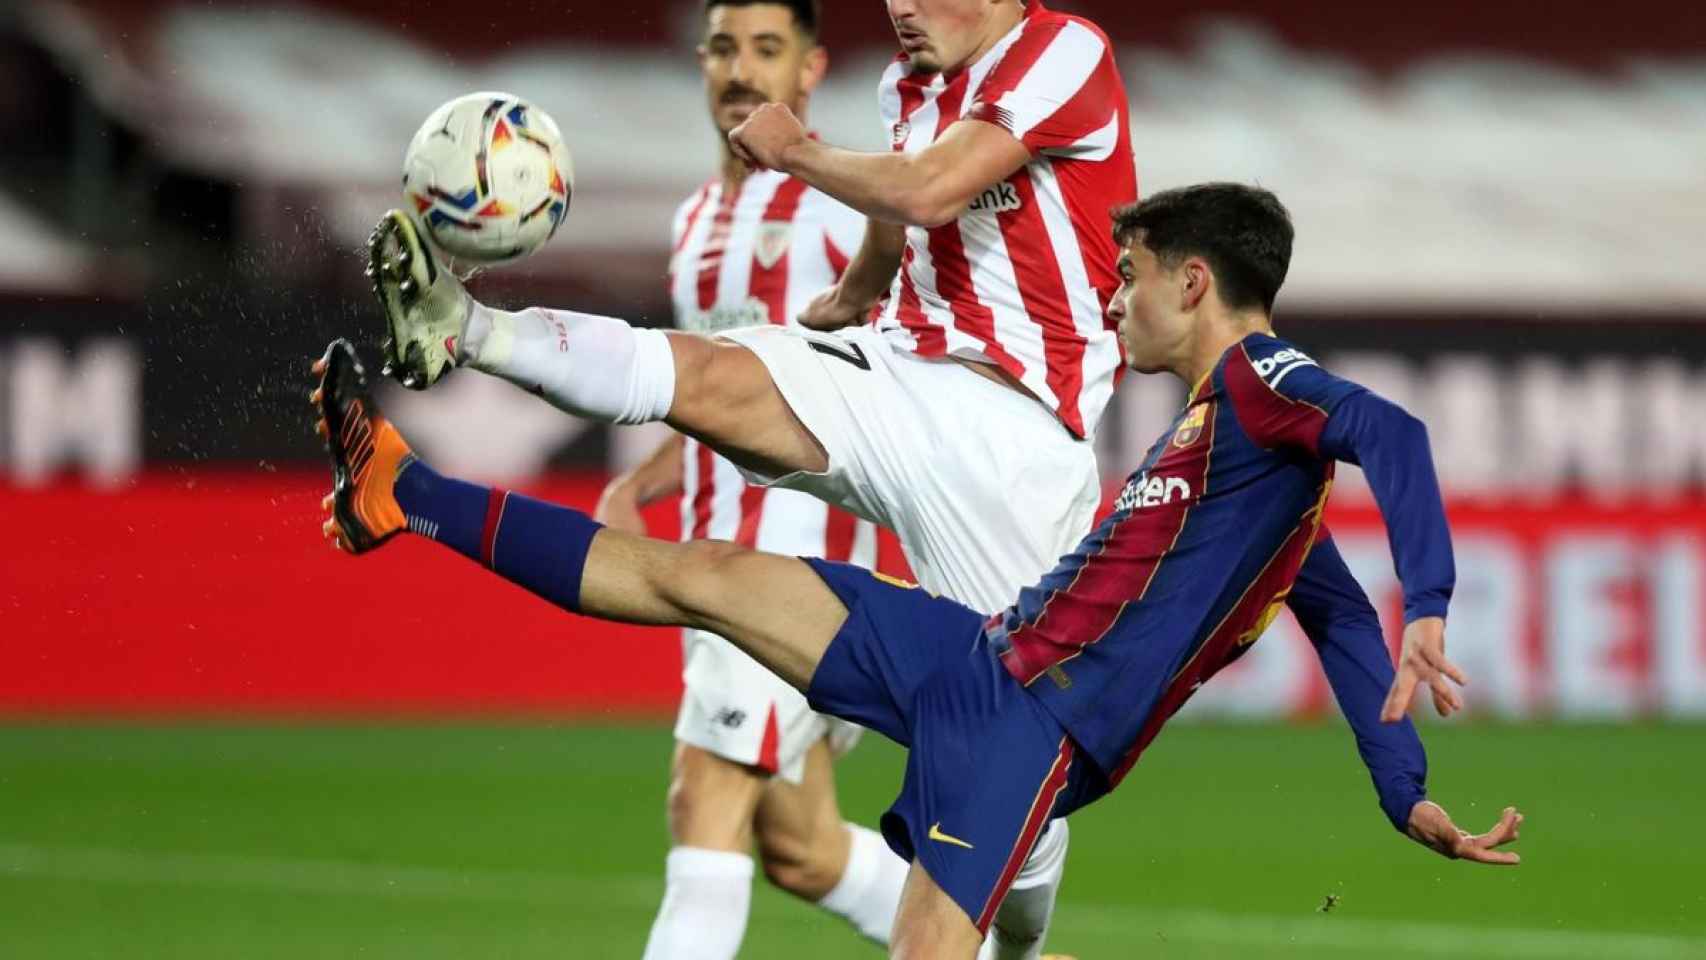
(1041, 709)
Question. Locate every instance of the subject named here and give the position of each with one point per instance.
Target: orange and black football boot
(367, 454)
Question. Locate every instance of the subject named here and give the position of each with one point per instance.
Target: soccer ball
(489, 178)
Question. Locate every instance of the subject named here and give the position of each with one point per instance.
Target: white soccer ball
(489, 178)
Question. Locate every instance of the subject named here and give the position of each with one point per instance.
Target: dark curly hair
(1243, 232)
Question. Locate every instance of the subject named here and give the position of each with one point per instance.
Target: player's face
(937, 35)
(755, 54)
(1152, 328)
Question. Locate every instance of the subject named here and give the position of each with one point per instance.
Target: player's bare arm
(657, 477)
(868, 277)
(925, 189)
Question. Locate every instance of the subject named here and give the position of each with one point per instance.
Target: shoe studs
(390, 271)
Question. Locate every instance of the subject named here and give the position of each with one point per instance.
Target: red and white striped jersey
(759, 256)
(1023, 278)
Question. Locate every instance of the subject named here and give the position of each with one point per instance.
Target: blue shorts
(987, 766)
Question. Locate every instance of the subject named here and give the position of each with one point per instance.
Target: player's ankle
(415, 484)
(477, 330)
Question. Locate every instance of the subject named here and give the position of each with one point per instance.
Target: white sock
(868, 893)
(1021, 922)
(584, 364)
(705, 903)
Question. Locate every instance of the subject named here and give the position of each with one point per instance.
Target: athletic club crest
(772, 242)
(1191, 429)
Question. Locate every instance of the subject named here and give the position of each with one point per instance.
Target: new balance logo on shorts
(729, 717)
(1147, 491)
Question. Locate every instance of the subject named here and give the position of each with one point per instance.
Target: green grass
(426, 842)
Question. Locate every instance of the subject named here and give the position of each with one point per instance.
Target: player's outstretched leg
(588, 365)
(775, 608)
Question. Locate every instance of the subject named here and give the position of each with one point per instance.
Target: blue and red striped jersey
(1204, 545)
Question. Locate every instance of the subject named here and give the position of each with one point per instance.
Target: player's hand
(1423, 661)
(618, 510)
(766, 136)
(828, 311)
(1431, 826)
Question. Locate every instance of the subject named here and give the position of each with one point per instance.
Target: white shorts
(984, 487)
(737, 710)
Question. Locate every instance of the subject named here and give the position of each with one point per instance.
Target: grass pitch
(537, 841)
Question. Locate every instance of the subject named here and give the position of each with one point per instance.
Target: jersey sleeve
(1335, 614)
(1282, 398)
(1056, 90)
(1392, 448)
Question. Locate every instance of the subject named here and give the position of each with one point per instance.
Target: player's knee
(709, 803)
(799, 865)
(694, 357)
(799, 876)
(680, 805)
(714, 380)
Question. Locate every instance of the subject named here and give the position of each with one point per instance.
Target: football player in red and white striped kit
(963, 418)
(752, 762)
(1020, 277)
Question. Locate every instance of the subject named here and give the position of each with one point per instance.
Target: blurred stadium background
(219, 739)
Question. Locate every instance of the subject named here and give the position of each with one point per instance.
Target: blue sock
(449, 511)
(536, 545)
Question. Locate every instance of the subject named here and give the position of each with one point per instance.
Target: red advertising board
(211, 592)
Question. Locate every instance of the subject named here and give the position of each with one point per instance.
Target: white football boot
(426, 307)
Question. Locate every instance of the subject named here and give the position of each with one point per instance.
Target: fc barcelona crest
(1191, 429)
(772, 242)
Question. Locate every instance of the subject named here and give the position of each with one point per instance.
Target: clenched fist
(766, 136)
